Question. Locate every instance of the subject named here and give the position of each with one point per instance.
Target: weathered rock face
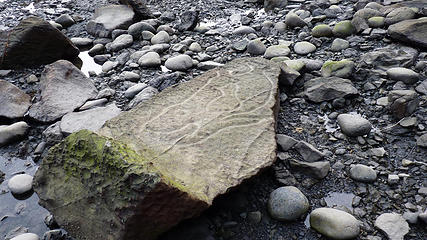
(413, 32)
(34, 42)
(170, 157)
(14, 102)
(98, 188)
(139, 7)
(64, 88)
(328, 88)
(108, 18)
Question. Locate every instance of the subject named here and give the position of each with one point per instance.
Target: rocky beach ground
(351, 129)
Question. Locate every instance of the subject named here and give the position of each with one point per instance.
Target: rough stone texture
(139, 7)
(413, 32)
(14, 102)
(317, 170)
(91, 119)
(329, 88)
(64, 88)
(363, 173)
(184, 147)
(34, 42)
(108, 18)
(422, 141)
(393, 225)
(97, 209)
(285, 142)
(403, 103)
(287, 204)
(343, 68)
(335, 224)
(354, 125)
(308, 152)
(390, 56)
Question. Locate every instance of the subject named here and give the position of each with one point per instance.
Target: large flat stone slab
(166, 159)
(63, 88)
(211, 133)
(14, 102)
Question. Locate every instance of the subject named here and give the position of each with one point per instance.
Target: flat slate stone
(14, 102)
(64, 88)
(167, 158)
(91, 119)
(328, 88)
(412, 31)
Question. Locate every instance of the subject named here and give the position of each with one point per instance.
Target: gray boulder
(150, 59)
(403, 103)
(308, 152)
(422, 141)
(14, 102)
(121, 42)
(287, 204)
(64, 88)
(32, 43)
(285, 142)
(139, 7)
(318, 170)
(181, 62)
(405, 75)
(398, 15)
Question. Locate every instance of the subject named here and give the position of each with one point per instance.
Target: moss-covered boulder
(343, 29)
(322, 30)
(168, 158)
(99, 188)
(343, 68)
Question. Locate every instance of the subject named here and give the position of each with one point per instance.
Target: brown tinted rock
(64, 88)
(34, 42)
(14, 102)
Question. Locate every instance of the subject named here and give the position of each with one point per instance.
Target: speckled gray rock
(287, 204)
(20, 184)
(256, 47)
(91, 119)
(335, 224)
(304, 48)
(10, 133)
(308, 152)
(151, 59)
(325, 89)
(63, 89)
(363, 173)
(14, 102)
(405, 75)
(108, 18)
(393, 225)
(354, 125)
(181, 62)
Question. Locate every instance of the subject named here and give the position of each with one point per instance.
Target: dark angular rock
(413, 32)
(34, 42)
(329, 88)
(189, 20)
(139, 7)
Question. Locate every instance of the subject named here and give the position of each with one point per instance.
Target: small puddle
(15, 212)
(89, 64)
(335, 199)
